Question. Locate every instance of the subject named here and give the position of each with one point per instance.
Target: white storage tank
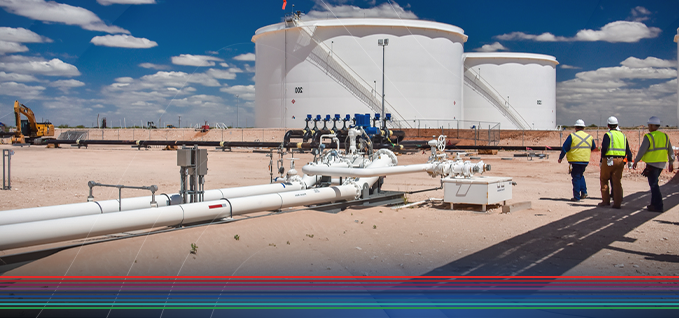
(335, 67)
(518, 90)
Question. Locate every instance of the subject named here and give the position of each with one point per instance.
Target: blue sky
(145, 60)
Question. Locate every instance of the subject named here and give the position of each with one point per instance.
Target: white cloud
(245, 57)
(14, 77)
(624, 72)
(179, 79)
(621, 91)
(124, 79)
(19, 89)
(323, 10)
(66, 85)
(154, 66)
(199, 101)
(228, 74)
(53, 67)
(223, 65)
(110, 2)
(246, 92)
(544, 37)
(569, 67)
(11, 47)
(648, 62)
(195, 60)
(21, 35)
(60, 13)
(491, 47)
(618, 31)
(122, 40)
(640, 14)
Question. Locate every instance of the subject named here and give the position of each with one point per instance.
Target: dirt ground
(554, 237)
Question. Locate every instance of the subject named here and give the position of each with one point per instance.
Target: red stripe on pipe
(216, 206)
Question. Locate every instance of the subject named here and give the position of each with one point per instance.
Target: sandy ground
(555, 237)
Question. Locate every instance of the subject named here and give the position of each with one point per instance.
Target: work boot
(575, 200)
(651, 208)
(603, 204)
(583, 196)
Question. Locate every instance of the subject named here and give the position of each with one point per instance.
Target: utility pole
(180, 122)
(383, 43)
(237, 101)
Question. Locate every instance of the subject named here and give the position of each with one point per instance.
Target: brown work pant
(614, 174)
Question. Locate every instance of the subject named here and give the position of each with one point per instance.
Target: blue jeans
(579, 185)
(656, 196)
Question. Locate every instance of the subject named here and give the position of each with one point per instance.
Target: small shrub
(194, 248)
(236, 237)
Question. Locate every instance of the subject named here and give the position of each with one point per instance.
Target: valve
(325, 122)
(334, 122)
(441, 143)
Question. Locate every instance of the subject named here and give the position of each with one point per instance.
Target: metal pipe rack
(152, 188)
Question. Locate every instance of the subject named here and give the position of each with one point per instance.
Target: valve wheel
(441, 143)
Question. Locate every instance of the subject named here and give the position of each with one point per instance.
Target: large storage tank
(518, 90)
(335, 67)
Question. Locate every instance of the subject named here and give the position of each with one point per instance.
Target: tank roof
(372, 22)
(510, 55)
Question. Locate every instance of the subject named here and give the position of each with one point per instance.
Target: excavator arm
(22, 109)
(36, 130)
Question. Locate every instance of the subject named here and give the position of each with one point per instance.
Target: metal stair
(322, 57)
(477, 83)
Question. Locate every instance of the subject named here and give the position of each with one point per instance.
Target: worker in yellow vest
(655, 150)
(577, 148)
(614, 149)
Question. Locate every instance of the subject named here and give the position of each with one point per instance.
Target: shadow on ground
(557, 247)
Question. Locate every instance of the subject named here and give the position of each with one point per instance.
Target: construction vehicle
(29, 130)
(204, 128)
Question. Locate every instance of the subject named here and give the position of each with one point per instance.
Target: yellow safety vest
(657, 148)
(581, 147)
(618, 145)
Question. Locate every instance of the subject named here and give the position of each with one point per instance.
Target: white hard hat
(612, 120)
(579, 123)
(654, 120)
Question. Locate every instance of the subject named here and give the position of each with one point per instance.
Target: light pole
(237, 106)
(383, 43)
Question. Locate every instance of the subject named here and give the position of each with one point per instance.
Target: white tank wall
(520, 78)
(423, 69)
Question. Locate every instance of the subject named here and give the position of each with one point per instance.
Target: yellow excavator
(29, 130)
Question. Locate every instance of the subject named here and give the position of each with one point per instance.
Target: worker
(577, 148)
(614, 151)
(655, 150)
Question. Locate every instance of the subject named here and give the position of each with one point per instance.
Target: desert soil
(554, 237)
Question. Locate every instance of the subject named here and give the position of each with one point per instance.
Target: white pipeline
(367, 171)
(79, 227)
(108, 206)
